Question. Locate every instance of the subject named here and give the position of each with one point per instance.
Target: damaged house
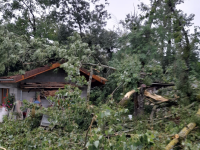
(37, 84)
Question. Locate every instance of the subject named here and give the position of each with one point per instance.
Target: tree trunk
(141, 102)
(184, 132)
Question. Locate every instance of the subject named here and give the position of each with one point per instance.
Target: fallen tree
(182, 134)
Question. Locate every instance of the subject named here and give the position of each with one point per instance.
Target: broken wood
(182, 134)
(47, 93)
(155, 97)
(138, 100)
(48, 85)
(126, 98)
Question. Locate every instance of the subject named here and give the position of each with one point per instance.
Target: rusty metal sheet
(34, 72)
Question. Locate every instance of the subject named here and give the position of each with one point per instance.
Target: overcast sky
(119, 8)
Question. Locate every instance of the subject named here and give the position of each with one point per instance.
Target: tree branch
(116, 89)
(93, 119)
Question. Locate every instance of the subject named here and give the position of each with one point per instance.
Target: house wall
(16, 92)
(49, 76)
(44, 102)
(12, 90)
(28, 95)
(8, 85)
(32, 94)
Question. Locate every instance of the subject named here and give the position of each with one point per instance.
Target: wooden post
(89, 84)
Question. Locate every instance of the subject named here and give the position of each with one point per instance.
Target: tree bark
(141, 102)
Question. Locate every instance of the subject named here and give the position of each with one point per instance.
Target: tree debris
(182, 134)
(155, 97)
(126, 97)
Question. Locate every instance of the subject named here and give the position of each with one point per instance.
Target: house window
(4, 95)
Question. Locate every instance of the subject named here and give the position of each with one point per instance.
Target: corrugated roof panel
(37, 71)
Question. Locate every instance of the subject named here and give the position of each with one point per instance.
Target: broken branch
(126, 97)
(116, 89)
(155, 97)
(93, 119)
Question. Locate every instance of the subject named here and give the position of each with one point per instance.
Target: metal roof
(40, 70)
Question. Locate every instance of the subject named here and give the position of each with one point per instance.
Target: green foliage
(128, 71)
(28, 54)
(155, 49)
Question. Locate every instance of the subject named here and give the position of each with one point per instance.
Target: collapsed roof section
(40, 70)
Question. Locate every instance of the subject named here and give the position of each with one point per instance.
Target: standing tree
(26, 16)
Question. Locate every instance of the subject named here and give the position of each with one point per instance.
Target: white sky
(119, 8)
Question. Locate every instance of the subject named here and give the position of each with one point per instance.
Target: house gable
(41, 70)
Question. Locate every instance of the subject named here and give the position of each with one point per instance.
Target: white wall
(15, 92)
(28, 95)
(12, 89)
